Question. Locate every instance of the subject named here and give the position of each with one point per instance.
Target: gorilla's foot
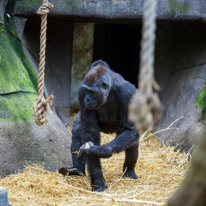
(131, 174)
(99, 185)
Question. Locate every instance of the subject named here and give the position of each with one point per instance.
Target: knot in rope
(144, 111)
(41, 108)
(44, 8)
(145, 105)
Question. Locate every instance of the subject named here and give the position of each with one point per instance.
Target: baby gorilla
(104, 97)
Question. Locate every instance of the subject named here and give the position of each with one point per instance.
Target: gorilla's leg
(95, 171)
(78, 161)
(131, 155)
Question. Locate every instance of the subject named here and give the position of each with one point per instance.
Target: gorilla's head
(97, 85)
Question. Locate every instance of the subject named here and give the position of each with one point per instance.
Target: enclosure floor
(159, 169)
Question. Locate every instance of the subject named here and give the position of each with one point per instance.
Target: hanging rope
(145, 105)
(41, 104)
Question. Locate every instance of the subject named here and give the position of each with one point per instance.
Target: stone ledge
(113, 9)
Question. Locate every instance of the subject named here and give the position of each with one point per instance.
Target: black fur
(108, 114)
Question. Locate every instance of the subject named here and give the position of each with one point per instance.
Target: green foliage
(201, 101)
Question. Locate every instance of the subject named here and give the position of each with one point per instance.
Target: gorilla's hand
(89, 149)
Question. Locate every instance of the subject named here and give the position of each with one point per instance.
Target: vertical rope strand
(41, 105)
(145, 105)
(42, 58)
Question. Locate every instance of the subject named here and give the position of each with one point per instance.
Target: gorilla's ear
(99, 62)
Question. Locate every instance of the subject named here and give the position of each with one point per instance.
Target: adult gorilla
(104, 97)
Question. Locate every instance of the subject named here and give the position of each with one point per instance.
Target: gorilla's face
(97, 87)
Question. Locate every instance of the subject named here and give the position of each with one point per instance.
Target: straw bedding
(159, 169)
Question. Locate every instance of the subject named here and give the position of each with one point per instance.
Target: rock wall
(180, 71)
(21, 140)
(3, 4)
(58, 60)
(24, 143)
(114, 9)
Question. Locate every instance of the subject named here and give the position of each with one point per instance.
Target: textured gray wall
(180, 71)
(58, 60)
(116, 9)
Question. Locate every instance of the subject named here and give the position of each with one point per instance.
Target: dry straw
(159, 169)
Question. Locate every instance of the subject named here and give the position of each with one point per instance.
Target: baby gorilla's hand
(89, 149)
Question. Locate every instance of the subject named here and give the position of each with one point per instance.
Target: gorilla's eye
(104, 85)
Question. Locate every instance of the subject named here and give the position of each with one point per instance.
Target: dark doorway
(119, 46)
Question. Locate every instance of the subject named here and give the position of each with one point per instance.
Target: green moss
(201, 101)
(18, 80)
(18, 106)
(179, 7)
(16, 73)
(16, 44)
(10, 24)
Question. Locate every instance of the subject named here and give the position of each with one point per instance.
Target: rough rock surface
(58, 60)
(180, 71)
(115, 9)
(21, 140)
(3, 4)
(24, 143)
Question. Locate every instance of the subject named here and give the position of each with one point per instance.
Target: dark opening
(119, 46)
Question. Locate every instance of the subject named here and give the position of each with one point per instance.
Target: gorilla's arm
(89, 129)
(124, 92)
(127, 139)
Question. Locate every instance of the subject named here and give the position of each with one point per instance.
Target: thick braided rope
(145, 105)
(41, 105)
